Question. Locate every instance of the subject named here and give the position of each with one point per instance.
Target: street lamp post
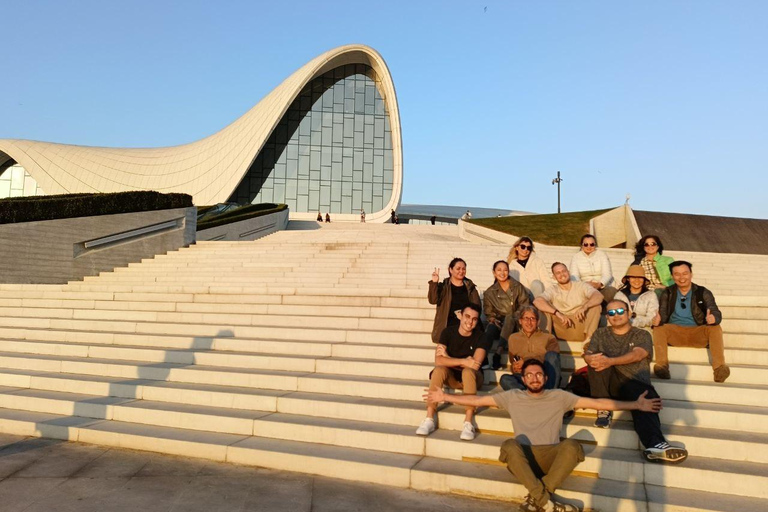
(557, 180)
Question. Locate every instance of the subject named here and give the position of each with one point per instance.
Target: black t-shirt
(459, 346)
(459, 300)
(522, 263)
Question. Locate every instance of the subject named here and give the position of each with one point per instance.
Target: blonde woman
(527, 268)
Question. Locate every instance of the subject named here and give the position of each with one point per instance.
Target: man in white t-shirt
(572, 307)
(536, 456)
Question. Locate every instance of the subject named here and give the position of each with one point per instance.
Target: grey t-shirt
(612, 345)
(536, 419)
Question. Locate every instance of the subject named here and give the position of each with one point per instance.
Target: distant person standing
(319, 217)
(432, 219)
(328, 218)
(393, 217)
(362, 215)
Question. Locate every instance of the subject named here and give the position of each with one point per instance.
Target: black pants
(609, 383)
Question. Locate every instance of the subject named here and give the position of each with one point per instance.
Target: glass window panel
(325, 197)
(346, 204)
(325, 173)
(335, 193)
(328, 100)
(367, 173)
(290, 189)
(302, 204)
(314, 159)
(346, 189)
(314, 185)
(359, 103)
(327, 119)
(5, 188)
(358, 140)
(292, 168)
(378, 203)
(359, 123)
(369, 134)
(378, 143)
(336, 154)
(293, 151)
(326, 158)
(327, 136)
(280, 170)
(278, 194)
(304, 166)
(303, 187)
(357, 199)
(378, 165)
(316, 139)
(368, 156)
(316, 121)
(336, 171)
(314, 200)
(338, 134)
(358, 161)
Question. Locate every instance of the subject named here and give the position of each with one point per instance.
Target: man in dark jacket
(688, 317)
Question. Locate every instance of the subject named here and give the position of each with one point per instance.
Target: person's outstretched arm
(606, 404)
(438, 396)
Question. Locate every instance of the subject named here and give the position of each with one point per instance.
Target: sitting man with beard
(537, 456)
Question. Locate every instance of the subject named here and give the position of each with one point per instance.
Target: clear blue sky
(665, 99)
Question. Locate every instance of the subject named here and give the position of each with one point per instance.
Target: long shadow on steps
(97, 410)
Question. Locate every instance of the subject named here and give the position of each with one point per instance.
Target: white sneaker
(427, 427)
(468, 433)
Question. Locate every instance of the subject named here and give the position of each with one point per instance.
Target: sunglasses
(614, 312)
(588, 245)
(524, 247)
(650, 244)
(682, 302)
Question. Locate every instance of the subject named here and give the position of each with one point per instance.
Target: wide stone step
(424, 473)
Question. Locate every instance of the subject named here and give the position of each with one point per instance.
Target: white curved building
(327, 139)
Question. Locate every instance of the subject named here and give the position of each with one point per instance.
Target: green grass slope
(550, 229)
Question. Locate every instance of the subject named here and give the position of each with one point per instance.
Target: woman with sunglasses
(526, 267)
(451, 295)
(648, 254)
(592, 266)
(501, 303)
(643, 303)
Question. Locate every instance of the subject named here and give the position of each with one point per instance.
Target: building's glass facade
(331, 152)
(15, 181)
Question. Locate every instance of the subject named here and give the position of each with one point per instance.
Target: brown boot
(661, 372)
(722, 373)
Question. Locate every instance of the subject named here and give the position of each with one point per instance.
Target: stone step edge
(421, 473)
(21, 379)
(106, 410)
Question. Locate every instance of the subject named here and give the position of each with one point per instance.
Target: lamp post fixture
(557, 180)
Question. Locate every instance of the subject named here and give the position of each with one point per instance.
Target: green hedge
(34, 208)
(244, 213)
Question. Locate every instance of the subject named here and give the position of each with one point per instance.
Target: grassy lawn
(550, 229)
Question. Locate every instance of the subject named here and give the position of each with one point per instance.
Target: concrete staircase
(309, 350)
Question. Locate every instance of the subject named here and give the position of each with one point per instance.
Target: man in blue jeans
(531, 343)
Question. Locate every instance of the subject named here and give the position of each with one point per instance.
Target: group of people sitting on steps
(529, 310)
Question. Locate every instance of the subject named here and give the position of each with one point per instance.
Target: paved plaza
(46, 475)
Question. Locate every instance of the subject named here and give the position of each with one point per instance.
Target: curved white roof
(209, 169)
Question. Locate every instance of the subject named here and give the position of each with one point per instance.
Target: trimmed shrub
(244, 213)
(67, 206)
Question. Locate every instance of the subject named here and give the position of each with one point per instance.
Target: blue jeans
(551, 369)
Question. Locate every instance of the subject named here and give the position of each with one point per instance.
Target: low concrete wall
(475, 233)
(249, 229)
(58, 251)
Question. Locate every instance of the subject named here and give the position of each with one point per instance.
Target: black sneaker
(496, 362)
(663, 452)
(662, 372)
(604, 419)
